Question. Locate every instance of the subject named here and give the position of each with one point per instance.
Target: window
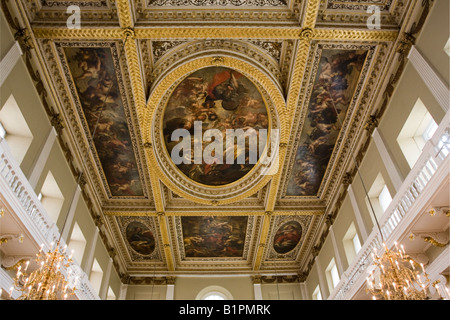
(379, 197)
(332, 275)
(317, 295)
(51, 197)
(429, 130)
(214, 293)
(110, 295)
(96, 276)
(417, 130)
(14, 129)
(77, 243)
(447, 47)
(2, 131)
(356, 243)
(351, 242)
(214, 296)
(384, 198)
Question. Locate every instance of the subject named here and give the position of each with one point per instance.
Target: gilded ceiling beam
(162, 219)
(263, 239)
(131, 51)
(227, 213)
(195, 33)
(64, 33)
(273, 191)
(155, 181)
(291, 105)
(354, 35)
(237, 32)
(159, 203)
(125, 14)
(170, 33)
(312, 9)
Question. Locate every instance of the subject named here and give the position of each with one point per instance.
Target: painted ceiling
(313, 70)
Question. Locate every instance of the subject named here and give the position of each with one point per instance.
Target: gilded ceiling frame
(150, 125)
(304, 34)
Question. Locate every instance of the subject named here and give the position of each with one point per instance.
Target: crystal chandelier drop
(47, 282)
(396, 276)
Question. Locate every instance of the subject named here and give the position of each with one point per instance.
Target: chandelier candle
(45, 283)
(396, 277)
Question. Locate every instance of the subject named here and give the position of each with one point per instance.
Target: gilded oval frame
(157, 156)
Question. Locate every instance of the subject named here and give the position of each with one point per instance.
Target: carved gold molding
(157, 158)
(265, 228)
(78, 34)
(435, 242)
(355, 35)
(193, 33)
(125, 14)
(437, 239)
(312, 9)
(166, 239)
(131, 51)
(443, 210)
(209, 212)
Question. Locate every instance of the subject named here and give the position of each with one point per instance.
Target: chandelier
(396, 276)
(47, 282)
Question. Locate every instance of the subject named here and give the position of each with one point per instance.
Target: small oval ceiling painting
(215, 126)
(140, 238)
(287, 237)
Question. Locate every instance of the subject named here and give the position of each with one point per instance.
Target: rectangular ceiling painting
(97, 86)
(332, 92)
(214, 236)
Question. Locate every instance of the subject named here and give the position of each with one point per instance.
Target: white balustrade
(433, 157)
(22, 198)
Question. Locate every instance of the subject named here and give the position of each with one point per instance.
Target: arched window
(214, 296)
(214, 293)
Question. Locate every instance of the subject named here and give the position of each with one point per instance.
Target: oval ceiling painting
(287, 237)
(215, 126)
(140, 238)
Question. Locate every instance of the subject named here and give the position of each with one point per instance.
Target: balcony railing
(20, 195)
(434, 157)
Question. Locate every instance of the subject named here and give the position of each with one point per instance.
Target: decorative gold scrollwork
(306, 34)
(128, 33)
(217, 60)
